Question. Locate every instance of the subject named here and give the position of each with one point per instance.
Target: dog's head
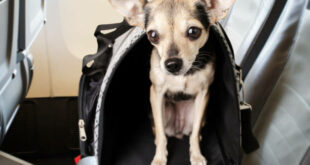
(177, 28)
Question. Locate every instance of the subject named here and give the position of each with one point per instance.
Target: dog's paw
(159, 161)
(198, 159)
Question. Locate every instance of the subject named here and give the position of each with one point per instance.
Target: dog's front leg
(157, 103)
(200, 104)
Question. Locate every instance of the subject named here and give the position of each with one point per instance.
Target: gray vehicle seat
(240, 26)
(11, 88)
(20, 23)
(280, 98)
(283, 126)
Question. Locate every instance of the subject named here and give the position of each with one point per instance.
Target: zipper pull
(82, 130)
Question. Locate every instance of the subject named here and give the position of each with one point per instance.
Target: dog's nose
(173, 65)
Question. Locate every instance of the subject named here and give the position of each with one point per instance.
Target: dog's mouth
(178, 96)
(181, 72)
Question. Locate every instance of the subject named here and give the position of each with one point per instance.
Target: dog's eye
(153, 36)
(193, 33)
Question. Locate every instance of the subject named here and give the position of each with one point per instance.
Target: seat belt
(262, 38)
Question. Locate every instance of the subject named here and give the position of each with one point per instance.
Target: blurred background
(62, 43)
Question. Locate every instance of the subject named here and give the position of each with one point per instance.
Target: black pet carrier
(114, 107)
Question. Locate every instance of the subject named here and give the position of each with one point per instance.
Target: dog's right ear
(219, 8)
(132, 10)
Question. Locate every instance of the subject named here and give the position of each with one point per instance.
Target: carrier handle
(121, 28)
(105, 43)
(248, 140)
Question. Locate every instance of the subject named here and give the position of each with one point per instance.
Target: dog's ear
(132, 10)
(219, 8)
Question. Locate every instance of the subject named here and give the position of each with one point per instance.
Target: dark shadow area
(45, 131)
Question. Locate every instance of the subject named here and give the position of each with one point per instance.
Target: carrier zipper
(82, 132)
(83, 145)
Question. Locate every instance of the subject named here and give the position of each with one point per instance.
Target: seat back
(9, 14)
(283, 124)
(277, 81)
(20, 23)
(244, 23)
(271, 49)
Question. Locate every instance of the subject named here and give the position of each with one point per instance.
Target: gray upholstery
(277, 86)
(10, 92)
(244, 22)
(283, 126)
(306, 158)
(15, 60)
(271, 60)
(273, 57)
(33, 18)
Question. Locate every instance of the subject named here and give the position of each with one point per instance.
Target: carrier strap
(105, 44)
(249, 142)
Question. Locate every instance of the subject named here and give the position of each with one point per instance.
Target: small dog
(182, 64)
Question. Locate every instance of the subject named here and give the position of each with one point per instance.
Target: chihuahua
(182, 65)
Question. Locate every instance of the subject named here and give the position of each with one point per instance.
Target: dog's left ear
(132, 10)
(218, 9)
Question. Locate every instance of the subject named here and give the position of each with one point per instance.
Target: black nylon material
(91, 79)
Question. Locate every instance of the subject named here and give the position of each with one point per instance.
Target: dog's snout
(173, 65)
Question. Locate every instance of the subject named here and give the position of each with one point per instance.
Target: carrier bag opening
(127, 136)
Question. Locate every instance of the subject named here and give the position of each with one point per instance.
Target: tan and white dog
(182, 64)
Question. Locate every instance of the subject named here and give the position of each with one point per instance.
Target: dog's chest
(191, 84)
(179, 93)
(187, 84)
